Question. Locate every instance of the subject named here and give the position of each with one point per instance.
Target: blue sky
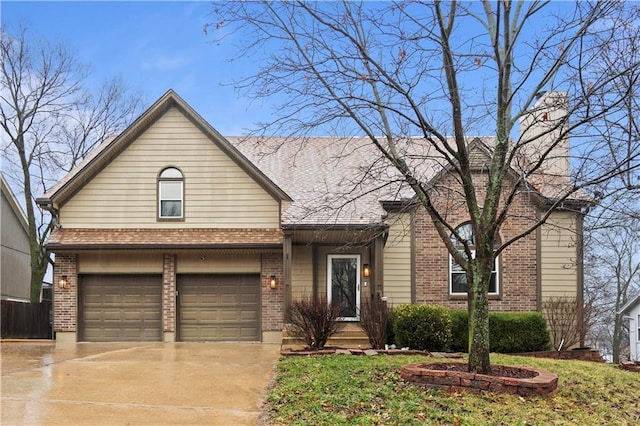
(152, 45)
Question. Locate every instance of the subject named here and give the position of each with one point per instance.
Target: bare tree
(612, 250)
(613, 275)
(50, 123)
(419, 79)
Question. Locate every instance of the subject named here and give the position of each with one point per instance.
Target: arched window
(170, 194)
(457, 277)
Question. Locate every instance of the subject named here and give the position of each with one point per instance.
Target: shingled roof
(346, 180)
(324, 181)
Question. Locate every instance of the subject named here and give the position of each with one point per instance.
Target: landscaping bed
(454, 377)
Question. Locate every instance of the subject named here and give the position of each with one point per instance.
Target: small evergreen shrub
(460, 331)
(375, 320)
(313, 321)
(423, 327)
(508, 332)
(518, 332)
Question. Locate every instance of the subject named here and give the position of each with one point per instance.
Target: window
(170, 194)
(457, 276)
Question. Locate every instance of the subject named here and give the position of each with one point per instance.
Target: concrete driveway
(135, 384)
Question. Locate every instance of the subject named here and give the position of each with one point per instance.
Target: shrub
(459, 331)
(518, 332)
(313, 321)
(375, 320)
(508, 332)
(424, 327)
(563, 316)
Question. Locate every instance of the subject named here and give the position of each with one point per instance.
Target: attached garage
(120, 308)
(218, 307)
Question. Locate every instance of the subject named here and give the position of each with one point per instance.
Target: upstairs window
(170, 194)
(457, 276)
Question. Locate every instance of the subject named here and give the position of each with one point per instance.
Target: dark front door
(343, 284)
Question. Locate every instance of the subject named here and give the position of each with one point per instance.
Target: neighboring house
(172, 232)
(15, 272)
(631, 312)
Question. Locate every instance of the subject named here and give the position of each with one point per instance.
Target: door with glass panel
(343, 284)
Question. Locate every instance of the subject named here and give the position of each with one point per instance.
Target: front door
(343, 284)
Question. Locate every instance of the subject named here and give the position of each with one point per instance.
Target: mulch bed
(496, 370)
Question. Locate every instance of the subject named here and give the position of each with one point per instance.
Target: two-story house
(172, 232)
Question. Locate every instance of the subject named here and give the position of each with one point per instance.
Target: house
(172, 232)
(15, 270)
(631, 312)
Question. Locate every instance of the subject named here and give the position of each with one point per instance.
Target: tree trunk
(617, 335)
(479, 318)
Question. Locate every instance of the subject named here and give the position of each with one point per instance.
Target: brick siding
(517, 263)
(272, 299)
(169, 293)
(64, 299)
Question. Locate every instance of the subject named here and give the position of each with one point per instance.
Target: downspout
(580, 275)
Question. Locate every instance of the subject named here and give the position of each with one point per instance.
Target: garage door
(120, 308)
(218, 307)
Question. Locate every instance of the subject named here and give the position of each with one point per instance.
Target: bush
(508, 332)
(563, 316)
(459, 331)
(375, 320)
(313, 321)
(424, 327)
(518, 332)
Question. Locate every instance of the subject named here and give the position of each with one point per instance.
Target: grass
(361, 390)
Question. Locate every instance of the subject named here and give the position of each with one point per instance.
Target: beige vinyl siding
(218, 263)
(15, 267)
(217, 192)
(302, 272)
(105, 262)
(558, 243)
(397, 260)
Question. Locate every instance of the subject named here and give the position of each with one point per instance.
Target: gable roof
(99, 158)
(13, 203)
(631, 304)
(347, 181)
(328, 181)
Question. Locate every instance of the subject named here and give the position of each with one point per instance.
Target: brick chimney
(541, 130)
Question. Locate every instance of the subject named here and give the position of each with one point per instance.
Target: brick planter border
(630, 366)
(543, 383)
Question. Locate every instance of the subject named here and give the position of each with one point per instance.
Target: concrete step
(351, 336)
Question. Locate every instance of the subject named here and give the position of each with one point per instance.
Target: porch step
(351, 336)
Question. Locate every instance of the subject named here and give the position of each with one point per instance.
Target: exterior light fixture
(64, 282)
(272, 281)
(366, 271)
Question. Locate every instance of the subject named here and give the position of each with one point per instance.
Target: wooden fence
(25, 320)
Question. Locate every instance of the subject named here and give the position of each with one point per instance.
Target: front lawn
(361, 390)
